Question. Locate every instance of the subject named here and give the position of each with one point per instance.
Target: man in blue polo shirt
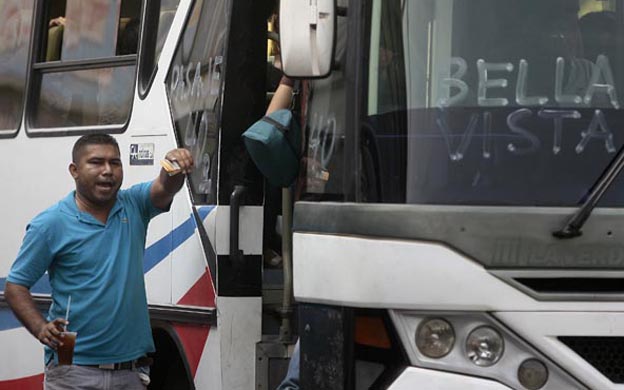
(91, 243)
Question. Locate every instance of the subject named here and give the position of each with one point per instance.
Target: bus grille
(606, 354)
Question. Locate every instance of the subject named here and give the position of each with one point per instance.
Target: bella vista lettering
(601, 83)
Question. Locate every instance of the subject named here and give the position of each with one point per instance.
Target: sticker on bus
(142, 154)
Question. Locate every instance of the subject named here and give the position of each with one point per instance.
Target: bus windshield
(493, 102)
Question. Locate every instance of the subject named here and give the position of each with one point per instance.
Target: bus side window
(85, 64)
(194, 89)
(159, 18)
(14, 40)
(55, 17)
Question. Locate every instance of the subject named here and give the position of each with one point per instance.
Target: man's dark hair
(91, 139)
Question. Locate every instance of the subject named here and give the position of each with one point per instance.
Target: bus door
(215, 89)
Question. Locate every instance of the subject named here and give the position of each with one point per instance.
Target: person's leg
(272, 243)
(291, 381)
(73, 378)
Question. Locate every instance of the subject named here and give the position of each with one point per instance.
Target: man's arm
(21, 302)
(165, 187)
(282, 98)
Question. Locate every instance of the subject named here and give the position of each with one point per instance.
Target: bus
(458, 215)
(156, 74)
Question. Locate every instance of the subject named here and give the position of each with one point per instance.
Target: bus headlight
(478, 345)
(435, 338)
(532, 374)
(484, 346)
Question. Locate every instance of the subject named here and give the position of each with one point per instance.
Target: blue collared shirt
(101, 267)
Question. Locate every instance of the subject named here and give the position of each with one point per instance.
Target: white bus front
(447, 143)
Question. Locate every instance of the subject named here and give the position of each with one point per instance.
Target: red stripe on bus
(201, 294)
(193, 338)
(34, 382)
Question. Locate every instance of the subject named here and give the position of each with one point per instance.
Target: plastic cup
(66, 351)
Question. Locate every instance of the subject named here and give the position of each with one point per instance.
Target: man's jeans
(90, 378)
(291, 381)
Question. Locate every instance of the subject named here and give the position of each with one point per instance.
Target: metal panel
(326, 347)
(501, 237)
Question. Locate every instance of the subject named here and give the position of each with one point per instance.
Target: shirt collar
(69, 206)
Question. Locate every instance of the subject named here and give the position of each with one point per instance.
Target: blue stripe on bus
(41, 287)
(159, 250)
(7, 319)
(154, 254)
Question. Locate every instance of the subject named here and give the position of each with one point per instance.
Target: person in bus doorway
(283, 98)
(91, 243)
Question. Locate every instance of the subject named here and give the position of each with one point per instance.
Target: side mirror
(307, 31)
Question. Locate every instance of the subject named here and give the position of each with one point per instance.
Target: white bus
(443, 229)
(157, 74)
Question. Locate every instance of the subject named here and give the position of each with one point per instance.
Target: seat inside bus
(128, 11)
(55, 40)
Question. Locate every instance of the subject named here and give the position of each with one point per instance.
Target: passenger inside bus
(281, 90)
(283, 98)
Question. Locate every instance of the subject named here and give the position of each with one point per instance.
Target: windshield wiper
(573, 227)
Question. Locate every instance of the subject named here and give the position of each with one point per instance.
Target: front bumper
(420, 378)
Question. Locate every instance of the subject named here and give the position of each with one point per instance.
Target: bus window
(14, 39)
(83, 75)
(322, 172)
(490, 102)
(194, 89)
(386, 73)
(90, 29)
(159, 18)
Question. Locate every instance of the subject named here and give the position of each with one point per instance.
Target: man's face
(98, 174)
